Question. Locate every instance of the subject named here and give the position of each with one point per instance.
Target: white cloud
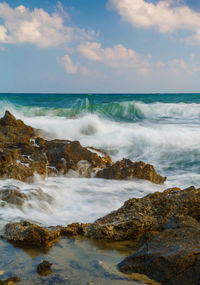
(117, 57)
(20, 25)
(163, 16)
(122, 60)
(71, 67)
(68, 64)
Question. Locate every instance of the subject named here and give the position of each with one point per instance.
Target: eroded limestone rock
(138, 218)
(10, 281)
(171, 257)
(12, 195)
(126, 169)
(28, 234)
(23, 153)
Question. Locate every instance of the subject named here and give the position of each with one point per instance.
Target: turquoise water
(161, 129)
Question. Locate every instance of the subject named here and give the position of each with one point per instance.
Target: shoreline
(148, 222)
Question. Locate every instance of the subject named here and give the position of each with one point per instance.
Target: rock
(22, 153)
(73, 229)
(14, 130)
(28, 234)
(44, 268)
(12, 195)
(140, 218)
(10, 281)
(126, 169)
(172, 257)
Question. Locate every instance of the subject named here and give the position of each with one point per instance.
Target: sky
(100, 46)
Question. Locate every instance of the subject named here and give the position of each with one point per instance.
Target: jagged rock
(126, 169)
(10, 281)
(172, 257)
(14, 130)
(22, 153)
(12, 195)
(44, 268)
(139, 218)
(74, 229)
(28, 234)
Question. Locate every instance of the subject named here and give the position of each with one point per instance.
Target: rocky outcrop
(126, 169)
(44, 268)
(138, 218)
(10, 281)
(74, 229)
(12, 195)
(165, 227)
(12, 130)
(171, 257)
(28, 234)
(22, 153)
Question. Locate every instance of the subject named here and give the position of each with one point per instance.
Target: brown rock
(138, 218)
(126, 169)
(10, 281)
(12, 195)
(14, 130)
(28, 234)
(22, 154)
(74, 229)
(172, 257)
(44, 268)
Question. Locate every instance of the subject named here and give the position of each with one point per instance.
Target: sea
(160, 129)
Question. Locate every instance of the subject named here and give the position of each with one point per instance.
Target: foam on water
(73, 199)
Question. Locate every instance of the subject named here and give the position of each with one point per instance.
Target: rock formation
(12, 195)
(166, 228)
(44, 268)
(139, 217)
(23, 153)
(10, 281)
(126, 169)
(28, 234)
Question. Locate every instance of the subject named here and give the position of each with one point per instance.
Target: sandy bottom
(75, 262)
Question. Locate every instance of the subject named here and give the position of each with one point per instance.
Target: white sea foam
(73, 199)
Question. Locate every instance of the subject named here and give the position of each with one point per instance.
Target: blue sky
(86, 46)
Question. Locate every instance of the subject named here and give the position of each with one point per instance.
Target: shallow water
(75, 261)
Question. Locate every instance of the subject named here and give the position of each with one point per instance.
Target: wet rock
(126, 169)
(14, 130)
(10, 281)
(74, 229)
(28, 234)
(172, 257)
(44, 268)
(22, 153)
(142, 218)
(12, 195)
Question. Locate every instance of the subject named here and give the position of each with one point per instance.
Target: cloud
(125, 60)
(20, 25)
(116, 57)
(68, 64)
(71, 67)
(166, 16)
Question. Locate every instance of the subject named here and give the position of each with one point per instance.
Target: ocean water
(161, 129)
